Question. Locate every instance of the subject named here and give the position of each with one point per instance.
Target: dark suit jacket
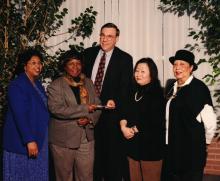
(63, 128)
(27, 117)
(117, 80)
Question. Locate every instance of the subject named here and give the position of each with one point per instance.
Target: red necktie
(100, 74)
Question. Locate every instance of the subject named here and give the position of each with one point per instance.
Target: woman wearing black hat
(72, 102)
(190, 121)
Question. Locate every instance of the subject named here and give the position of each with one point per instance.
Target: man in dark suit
(110, 159)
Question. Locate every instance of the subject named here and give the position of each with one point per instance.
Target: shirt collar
(187, 82)
(108, 54)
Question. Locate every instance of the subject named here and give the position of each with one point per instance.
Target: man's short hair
(111, 25)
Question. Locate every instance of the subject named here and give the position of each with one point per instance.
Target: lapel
(111, 67)
(34, 93)
(93, 57)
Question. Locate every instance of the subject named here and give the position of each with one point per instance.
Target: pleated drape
(145, 30)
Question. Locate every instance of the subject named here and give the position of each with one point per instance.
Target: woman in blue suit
(25, 135)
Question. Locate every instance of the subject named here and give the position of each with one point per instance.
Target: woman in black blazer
(144, 122)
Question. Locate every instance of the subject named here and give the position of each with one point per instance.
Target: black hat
(186, 56)
(67, 56)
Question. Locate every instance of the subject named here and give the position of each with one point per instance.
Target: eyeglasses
(107, 37)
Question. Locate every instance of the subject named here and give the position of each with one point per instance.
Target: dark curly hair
(24, 57)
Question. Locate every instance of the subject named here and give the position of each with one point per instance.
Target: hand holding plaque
(110, 105)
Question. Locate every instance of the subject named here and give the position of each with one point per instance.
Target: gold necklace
(174, 94)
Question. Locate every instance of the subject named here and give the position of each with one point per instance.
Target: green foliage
(207, 13)
(31, 23)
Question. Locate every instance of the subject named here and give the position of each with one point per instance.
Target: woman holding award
(73, 104)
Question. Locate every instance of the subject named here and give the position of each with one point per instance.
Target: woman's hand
(32, 149)
(135, 129)
(128, 132)
(83, 122)
(110, 104)
(92, 107)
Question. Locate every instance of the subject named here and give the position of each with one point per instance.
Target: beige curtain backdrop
(145, 30)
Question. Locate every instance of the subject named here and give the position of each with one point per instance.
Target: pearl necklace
(137, 99)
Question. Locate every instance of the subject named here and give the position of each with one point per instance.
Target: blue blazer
(27, 116)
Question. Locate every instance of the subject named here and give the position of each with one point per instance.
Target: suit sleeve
(202, 108)
(125, 84)
(208, 116)
(20, 106)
